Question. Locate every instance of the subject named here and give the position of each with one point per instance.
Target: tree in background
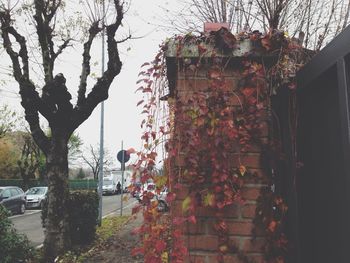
(52, 35)
(318, 21)
(81, 174)
(29, 160)
(74, 149)
(8, 120)
(93, 160)
(8, 167)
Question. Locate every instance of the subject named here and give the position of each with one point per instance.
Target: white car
(35, 196)
(109, 187)
(163, 205)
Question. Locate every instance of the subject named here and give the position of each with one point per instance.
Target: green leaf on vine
(161, 181)
(186, 204)
(209, 199)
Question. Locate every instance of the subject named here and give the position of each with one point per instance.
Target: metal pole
(122, 190)
(100, 174)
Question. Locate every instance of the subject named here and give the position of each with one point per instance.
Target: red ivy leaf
(139, 103)
(177, 185)
(201, 49)
(131, 151)
(260, 106)
(148, 89)
(160, 246)
(266, 43)
(177, 233)
(142, 123)
(220, 205)
(170, 197)
(248, 91)
(272, 226)
(145, 64)
(162, 129)
(178, 221)
(192, 219)
(138, 89)
(137, 251)
(136, 209)
(153, 134)
(141, 80)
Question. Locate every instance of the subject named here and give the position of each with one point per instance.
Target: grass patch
(109, 226)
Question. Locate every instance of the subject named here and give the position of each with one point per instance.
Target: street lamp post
(100, 173)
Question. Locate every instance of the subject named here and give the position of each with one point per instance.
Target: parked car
(13, 199)
(35, 196)
(109, 186)
(163, 205)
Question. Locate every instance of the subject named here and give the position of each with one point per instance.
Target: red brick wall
(201, 238)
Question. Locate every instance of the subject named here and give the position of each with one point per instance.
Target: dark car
(13, 199)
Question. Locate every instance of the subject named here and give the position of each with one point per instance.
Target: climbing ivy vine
(202, 137)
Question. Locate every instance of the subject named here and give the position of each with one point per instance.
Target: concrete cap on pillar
(209, 26)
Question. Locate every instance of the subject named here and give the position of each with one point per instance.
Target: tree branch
(100, 90)
(32, 103)
(61, 48)
(44, 32)
(85, 72)
(5, 20)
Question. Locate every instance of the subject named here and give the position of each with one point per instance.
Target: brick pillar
(201, 238)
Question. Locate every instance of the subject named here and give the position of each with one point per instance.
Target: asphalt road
(30, 222)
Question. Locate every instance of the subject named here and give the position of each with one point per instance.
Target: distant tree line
(21, 158)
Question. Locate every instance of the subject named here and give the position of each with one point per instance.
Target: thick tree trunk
(56, 225)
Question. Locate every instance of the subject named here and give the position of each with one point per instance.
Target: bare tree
(75, 144)
(318, 20)
(93, 160)
(54, 101)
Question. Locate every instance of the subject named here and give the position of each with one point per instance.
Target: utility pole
(100, 174)
(123, 157)
(123, 168)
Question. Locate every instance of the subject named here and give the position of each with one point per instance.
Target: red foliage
(207, 129)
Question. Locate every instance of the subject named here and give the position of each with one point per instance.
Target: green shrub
(83, 215)
(14, 247)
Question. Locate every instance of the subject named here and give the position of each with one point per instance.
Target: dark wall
(323, 209)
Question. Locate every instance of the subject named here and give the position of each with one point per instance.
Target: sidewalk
(120, 246)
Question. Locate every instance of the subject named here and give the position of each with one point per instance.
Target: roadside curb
(113, 213)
